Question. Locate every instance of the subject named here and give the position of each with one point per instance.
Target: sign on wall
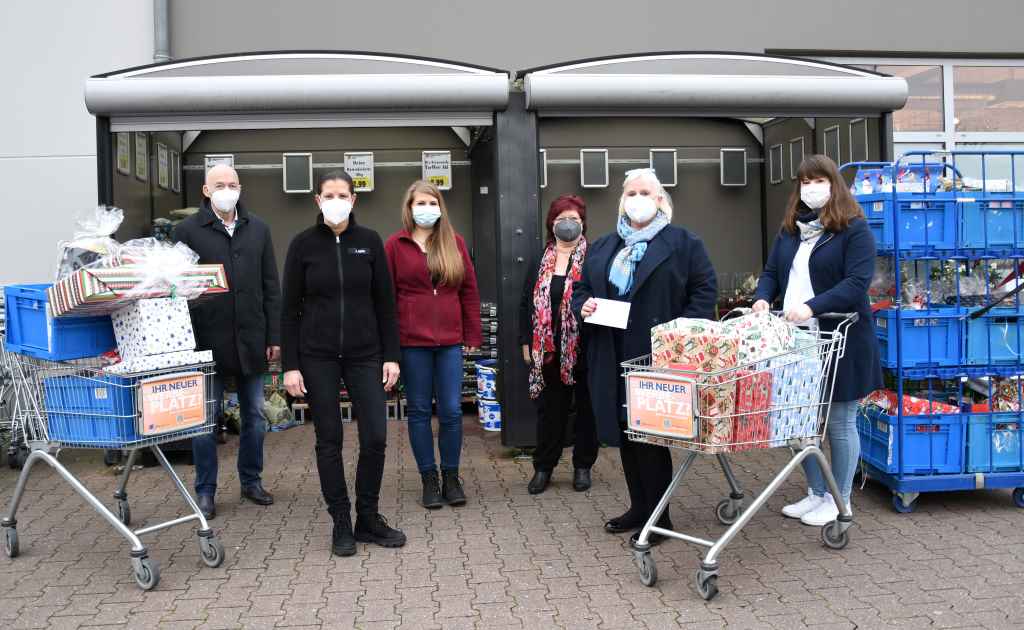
(221, 158)
(141, 155)
(437, 168)
(360, 166)
(124, 153)
(163, 166)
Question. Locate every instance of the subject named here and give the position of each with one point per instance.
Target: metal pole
(161, 31)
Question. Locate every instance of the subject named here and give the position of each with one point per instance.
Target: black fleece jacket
(338, 299)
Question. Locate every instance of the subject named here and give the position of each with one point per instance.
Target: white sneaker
(804, 506)
(826, 512)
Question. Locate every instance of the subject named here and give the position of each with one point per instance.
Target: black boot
(374, 529)
(432, 498)
(452, 490)
(581, 480)
(540, 481)
(343, 542)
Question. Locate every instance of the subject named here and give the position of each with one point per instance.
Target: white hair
(649, 176)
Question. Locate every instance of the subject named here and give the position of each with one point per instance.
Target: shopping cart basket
(781, 401)
(77, 405)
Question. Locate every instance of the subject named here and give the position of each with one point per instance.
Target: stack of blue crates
(929, 220)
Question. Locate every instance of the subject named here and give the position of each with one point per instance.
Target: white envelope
(612, 313)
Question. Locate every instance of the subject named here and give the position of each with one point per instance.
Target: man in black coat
(241, 327)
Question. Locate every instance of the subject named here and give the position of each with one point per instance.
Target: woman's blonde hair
(444, 260)
(649, 176)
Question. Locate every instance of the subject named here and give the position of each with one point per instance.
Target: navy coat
(674, 279)
(239, 325)
(841, 267)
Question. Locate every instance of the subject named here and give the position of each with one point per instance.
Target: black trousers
(323, 384)
(553, 407)
(648, 471)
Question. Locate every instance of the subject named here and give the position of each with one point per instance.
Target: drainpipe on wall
(161, 30)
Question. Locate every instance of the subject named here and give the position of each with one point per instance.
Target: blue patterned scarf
(624, 265)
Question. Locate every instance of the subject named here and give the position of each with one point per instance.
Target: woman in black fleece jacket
(339, 322)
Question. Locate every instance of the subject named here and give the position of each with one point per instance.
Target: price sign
(360, 167)
(661, 404)
(172, 403)
(437, 168)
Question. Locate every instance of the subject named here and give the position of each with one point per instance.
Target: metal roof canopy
(282, 90)
(736, 85)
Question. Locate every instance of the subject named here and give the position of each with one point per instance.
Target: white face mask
(426, 216)
(224, 199)
(640, 208)
(336, 210)
(815, 195)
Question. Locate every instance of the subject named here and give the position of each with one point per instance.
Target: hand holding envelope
(612, 313)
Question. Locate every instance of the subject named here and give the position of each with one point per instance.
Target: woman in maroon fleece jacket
(438, 314)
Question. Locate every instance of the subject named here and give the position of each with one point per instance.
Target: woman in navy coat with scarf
(664, 272)
(822, 262)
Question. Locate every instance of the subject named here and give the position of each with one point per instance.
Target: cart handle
(853, 317)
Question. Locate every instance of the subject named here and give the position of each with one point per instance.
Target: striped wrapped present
(102, 291)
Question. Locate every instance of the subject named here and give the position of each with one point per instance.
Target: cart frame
(34, 420)
(830, 347)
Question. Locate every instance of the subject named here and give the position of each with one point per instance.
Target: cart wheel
(900, 506)
(147, 574)
(1018, 497)
(11, 542)
(648, 570)
(707, 584)
(727, 514)
(212, 552)
(832, 537)
(124, 512)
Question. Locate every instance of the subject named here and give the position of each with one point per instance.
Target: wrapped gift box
(885, 400)
(753, 400)
(153, 326)
(160, 362)
(796, 391)
(761, 335)
(101, 291)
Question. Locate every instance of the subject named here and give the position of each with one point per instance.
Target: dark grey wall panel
(142, 201)
(727, 219)
(493, 34)
(288, 214)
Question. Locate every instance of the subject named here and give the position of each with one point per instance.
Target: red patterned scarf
(543, 335)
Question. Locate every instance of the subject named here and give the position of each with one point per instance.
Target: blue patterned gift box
(154, 326)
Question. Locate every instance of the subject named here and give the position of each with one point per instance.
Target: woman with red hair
(550, 335)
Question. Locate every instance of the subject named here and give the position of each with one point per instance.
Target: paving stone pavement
(507, 559)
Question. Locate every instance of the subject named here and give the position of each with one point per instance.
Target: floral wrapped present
(761, 336)
(160, 362)
(102, 290)
(153, 326)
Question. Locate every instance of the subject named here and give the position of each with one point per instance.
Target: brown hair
(444, 260)
(840, 209)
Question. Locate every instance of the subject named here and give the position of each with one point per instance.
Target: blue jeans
(428, 373)
(250, 442)
(844, 442)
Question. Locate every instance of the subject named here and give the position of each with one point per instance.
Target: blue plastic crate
(993, 442)
(995, 338)
(90, 410)
(994, 223)
(930, 338)
(32, 331)
(931, 444)
(928, 222)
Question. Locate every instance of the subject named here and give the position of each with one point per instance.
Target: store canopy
(710, 84)
(301, 89)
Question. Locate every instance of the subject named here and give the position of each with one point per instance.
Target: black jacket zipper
(341, 297)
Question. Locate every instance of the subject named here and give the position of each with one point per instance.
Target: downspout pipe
(161, 31)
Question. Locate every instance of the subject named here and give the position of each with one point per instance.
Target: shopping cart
(76, 404)
(779, 401)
